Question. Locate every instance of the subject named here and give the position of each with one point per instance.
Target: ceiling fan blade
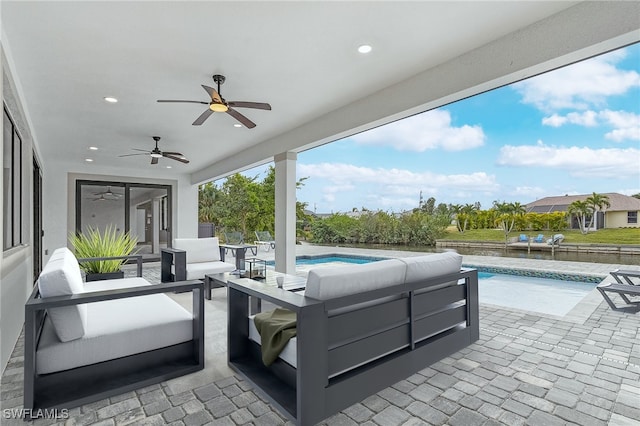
(178, 154)
(143, 150)
(256, 105)
(182, 160)
(241, 118)
(202, 117)
(181, 101)
(215, 96)
(129, 155)
(154, 160)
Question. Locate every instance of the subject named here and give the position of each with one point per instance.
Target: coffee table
(291, 283)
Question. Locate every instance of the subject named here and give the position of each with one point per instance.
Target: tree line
(246, 204)
(243, 204)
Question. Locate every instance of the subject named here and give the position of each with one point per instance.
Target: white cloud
(395, 188)
(629, 191)
(626, 125)
(349, 174)
(430, 130)
(578, 161)
(528, 191)
(578, 86)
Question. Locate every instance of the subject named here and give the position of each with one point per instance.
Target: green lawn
(602, 236)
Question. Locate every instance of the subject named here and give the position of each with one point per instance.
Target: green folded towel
(276, 328)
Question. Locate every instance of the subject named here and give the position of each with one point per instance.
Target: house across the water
(622, 212)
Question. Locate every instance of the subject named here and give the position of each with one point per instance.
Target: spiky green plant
(110, 243)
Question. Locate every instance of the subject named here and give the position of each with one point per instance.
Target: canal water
(623, 259)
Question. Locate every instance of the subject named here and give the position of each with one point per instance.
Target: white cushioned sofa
(360, 328)
(192, 259)
(88, 341)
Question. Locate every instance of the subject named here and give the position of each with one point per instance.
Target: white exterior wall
(619, 220)
(16, 265)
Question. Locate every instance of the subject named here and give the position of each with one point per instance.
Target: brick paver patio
(525, 369)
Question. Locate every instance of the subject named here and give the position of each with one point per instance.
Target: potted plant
(110, 243)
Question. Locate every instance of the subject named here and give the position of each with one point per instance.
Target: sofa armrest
(137, 257)
(278, 296)
(173, 256)
(35, 302)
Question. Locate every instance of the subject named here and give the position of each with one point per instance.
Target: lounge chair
(539, 239)
(523, 238)
(627, 284)
(555, 240)
(265, 240)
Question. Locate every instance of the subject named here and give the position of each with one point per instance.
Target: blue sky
(575, 130)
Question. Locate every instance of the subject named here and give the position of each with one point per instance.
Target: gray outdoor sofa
(89, 341)
(360, 329)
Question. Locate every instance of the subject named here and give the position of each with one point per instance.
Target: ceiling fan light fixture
(156, 155)
(216, 107)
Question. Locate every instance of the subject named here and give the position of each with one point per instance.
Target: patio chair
(523, 238)
(539, 239)
(555, 240)
(265, 240)
(627, 284)
(236, 238)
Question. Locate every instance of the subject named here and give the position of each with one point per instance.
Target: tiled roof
(618, 202)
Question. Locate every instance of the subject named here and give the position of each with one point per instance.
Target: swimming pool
(543, 295)
(552, 293)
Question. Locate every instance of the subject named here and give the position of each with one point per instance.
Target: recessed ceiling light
(88, 160)
(237, 125)
(93, 148)
(168, 167)
(365, 48)
(111, 99)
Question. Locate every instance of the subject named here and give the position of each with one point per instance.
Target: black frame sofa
(123, 334)
(352, 344)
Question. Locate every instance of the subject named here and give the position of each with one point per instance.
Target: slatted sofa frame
(82, 385)
(427, 324)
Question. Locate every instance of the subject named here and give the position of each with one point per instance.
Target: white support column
(286, 212)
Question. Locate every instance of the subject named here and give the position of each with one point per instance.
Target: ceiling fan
(108, 193)
(155, 153)
(103, 198)
(219, 104)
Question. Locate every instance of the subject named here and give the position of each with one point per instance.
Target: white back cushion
(62, 277)
(432, 265)
(199, 249)
(327, 283)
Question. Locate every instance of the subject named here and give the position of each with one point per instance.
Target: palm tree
(582, 209)
(506, 217)
(597, 202)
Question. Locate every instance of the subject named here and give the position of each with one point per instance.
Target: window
(12, 184)
(632, 217)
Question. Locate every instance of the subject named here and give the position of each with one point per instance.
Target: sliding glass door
(143, 210)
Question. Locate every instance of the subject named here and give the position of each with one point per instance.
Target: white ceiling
(299, 56)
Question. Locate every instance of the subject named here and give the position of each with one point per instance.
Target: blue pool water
(543, 295)
(537, 291)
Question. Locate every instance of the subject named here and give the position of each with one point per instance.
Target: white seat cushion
(61, 277)
(197, 271)
(117, 328)
(328, 283)
(115, 284)
(199, 249)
